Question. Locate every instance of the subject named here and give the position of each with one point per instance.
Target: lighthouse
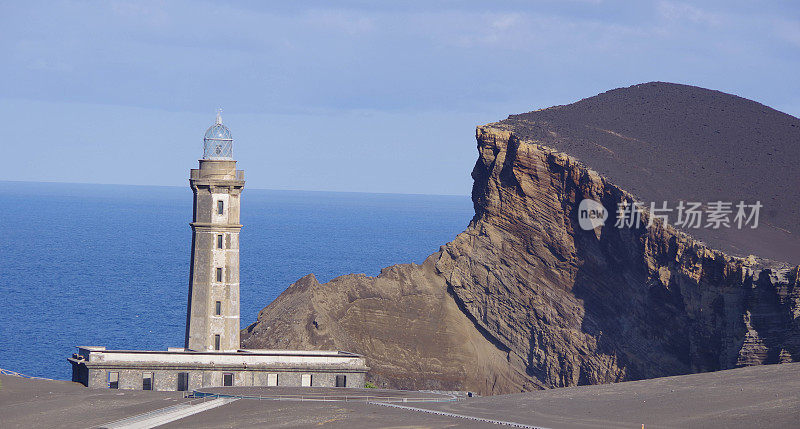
(211, 356)
(212, 314)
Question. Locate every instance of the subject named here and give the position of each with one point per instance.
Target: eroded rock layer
(526, 299)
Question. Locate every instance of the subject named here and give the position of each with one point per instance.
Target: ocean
(109, 264)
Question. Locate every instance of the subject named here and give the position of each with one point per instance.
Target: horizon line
(253, 189)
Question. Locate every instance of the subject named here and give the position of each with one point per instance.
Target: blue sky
(347, 96)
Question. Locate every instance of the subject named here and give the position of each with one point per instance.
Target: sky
(363, 96)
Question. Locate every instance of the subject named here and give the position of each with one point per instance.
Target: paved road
(166, 415)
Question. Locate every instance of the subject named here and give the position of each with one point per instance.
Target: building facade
(211, 355)
(182, 370)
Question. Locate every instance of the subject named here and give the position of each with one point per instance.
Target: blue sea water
(109, 264)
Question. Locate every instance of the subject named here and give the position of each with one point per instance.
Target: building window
(341, 381)
(183, 381)
(219, 241)
(305, 380)
(218, 308)
(220, 207)
(219, 274)
(113, 380)
(216, 342)
(227, 379)
(272, 379)
(147, 381)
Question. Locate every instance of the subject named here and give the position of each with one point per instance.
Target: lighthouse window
(219, 241)
(219, 274)
(218, 308)
(220, 207)
(216, 342)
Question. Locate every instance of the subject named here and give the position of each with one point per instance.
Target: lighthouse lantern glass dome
(218, 143)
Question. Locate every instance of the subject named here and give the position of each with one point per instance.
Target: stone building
(211, 355)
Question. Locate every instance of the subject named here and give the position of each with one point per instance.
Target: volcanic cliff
(527, 299)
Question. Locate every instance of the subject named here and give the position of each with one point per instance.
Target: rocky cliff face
(526, 299)
(586, 307)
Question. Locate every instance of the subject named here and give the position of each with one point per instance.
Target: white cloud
(529, 32)
(152, 13)
(339, 20)
(685, 12)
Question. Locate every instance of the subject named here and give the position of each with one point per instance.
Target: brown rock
(526, 299)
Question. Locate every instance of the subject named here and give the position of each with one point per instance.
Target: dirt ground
(763, 396)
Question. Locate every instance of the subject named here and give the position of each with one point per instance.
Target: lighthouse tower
(212, 316)
(211, 355)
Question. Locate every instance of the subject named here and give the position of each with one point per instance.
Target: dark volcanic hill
(670, 142)
(526, 299)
